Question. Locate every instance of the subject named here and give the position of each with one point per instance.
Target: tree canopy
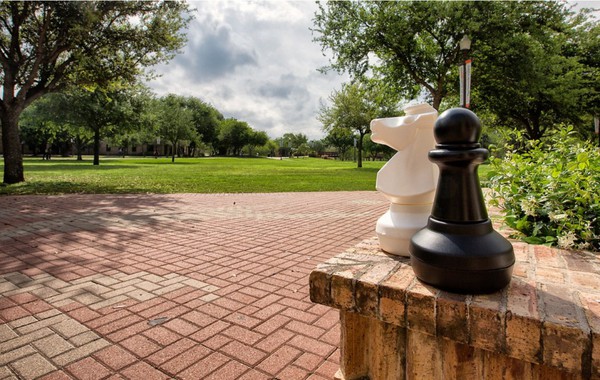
(175, 122)
(535, 63)
(104, 110)
(233, 136)
(206, 119)
(530, 72)
(414, 45)
(43, 124)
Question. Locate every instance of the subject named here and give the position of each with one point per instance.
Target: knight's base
(393, 246)
(395, 228)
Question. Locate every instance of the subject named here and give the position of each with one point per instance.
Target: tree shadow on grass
(364, 169)
(45, 168)
(72, 236)
(53, 187)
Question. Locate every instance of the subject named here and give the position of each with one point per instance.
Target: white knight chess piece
(408, 179)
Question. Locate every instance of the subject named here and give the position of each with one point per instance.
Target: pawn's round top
(457, 127)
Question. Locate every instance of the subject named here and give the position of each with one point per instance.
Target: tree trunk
(360, 147)
(537, 132)
(96, 146)
(437, 100)
(79, 148)
(11, 144)
(173, 147)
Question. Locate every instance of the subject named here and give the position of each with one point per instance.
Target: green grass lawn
(192, 175)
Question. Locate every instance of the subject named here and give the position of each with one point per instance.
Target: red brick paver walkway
(188, 286)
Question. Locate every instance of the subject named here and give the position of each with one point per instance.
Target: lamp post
(465, 72)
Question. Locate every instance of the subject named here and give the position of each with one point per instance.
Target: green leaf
(534, 240)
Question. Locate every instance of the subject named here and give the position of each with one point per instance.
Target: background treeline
(134, 121)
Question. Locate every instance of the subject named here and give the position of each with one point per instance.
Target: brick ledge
(549, 314)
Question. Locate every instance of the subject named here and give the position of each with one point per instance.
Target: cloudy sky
(255, 61)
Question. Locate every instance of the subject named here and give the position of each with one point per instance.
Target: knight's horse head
(408, 177)
(400, 132)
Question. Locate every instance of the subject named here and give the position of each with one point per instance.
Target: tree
(413, 45)
(176, 122)
(283, 147)
(206, 120)
(41, 124)
(295, 139)
(51, 122)
(140, 127)
(233, 136)
(534, 77)
(146, 130)
(103, 111)
(256, 139)
(353, 108)
(268, 149)
(303, 149)
(291, 142)
(61, 115)
(340, 138)
(82, 138)
(316, 146)
(48, 46)
(587, 48)
(375, 150)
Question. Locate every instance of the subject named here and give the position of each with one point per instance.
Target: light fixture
(465, 43)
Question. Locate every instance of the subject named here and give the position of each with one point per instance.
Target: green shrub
(550, 192)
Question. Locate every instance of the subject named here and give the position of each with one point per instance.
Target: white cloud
(255, 61)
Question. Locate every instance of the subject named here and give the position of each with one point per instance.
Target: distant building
(105, 150)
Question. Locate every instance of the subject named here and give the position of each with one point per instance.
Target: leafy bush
(550, 192)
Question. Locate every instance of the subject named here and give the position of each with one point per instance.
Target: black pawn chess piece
(459, 251)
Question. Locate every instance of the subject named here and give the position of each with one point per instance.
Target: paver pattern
(186, 286)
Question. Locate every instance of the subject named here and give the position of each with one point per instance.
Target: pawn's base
(462, 258)
(460, 281)
(395, 228)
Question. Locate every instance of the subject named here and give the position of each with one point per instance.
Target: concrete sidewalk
(187, 286)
